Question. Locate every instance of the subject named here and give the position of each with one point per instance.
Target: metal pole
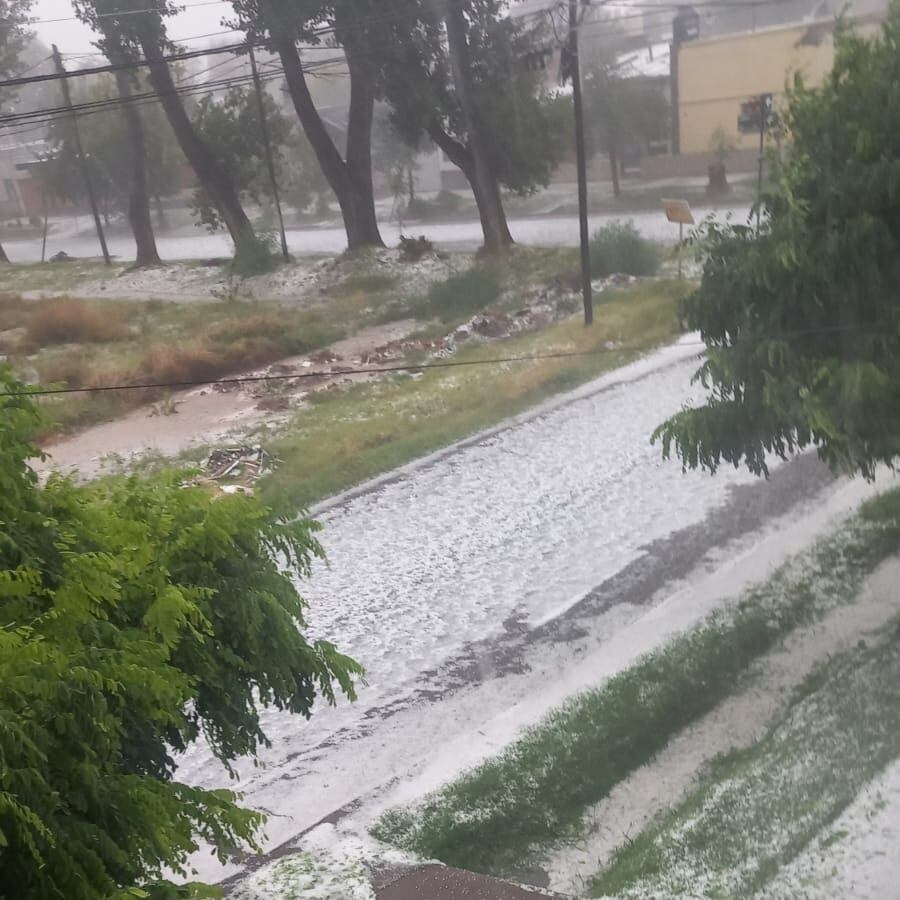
(92, 200)
(270, 163)
(680, 242)
(575, 71)
(44, 235)
(759, 177)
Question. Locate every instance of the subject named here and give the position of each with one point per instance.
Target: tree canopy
(136, 615)
(802, 320)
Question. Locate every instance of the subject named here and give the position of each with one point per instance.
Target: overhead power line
(823, 331)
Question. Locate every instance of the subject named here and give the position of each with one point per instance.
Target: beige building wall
(715, 76)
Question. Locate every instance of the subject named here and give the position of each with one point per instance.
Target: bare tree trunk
(351, 181)
(482, 178)
(3, 257)
(614, 170)
(363, 80)
(138, 200)
(494, 226)
(212, 177)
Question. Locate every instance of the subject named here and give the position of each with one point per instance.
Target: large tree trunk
(138, 200)
(212, 177)
(363, 80)
(3, 257)
(351, 181)
(494, 226)
(482, 178)
(614, 170)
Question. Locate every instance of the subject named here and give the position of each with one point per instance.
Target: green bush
(255, 254)
(619, 247)
(135, 616)
(460, 295)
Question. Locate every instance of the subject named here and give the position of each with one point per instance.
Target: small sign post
(679, 211)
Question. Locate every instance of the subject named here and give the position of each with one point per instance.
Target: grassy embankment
(73, 342)
(506, 813)
(759, 808)
(345, 437)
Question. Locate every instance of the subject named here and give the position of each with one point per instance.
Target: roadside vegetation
(73, 343)
(503, 815)
(619, 247)
(762, 806)
(138, 615)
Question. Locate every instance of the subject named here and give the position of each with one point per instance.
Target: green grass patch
(61, 276)
(533, 796)
(765, 804)
(460, 295)
(345, 437)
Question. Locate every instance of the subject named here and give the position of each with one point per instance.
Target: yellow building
(715, 76)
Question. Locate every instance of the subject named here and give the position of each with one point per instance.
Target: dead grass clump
(165, 363)
(71, 321)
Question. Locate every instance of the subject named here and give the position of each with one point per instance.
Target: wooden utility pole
(581, 160)
(267, 145)
(89, 188)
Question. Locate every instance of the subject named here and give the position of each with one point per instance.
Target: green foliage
(108, 149)
(13, 35)
(802, 320)
(230, 128)
(134, 616)
(534, 794)
(255, 254)
(619, 247)
(522, 126)
(461, 295)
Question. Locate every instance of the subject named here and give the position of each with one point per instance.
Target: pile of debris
(395, 351)
(240, 466)
(616, 280)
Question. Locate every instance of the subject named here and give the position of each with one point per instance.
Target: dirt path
(207, 415)
(737, 723)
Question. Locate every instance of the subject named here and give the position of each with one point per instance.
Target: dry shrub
(165, 363)
(70, 321)
(68, 369)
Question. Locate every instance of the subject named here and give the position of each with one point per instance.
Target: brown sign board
(678, 211)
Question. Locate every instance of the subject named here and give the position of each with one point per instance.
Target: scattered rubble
(243, 464)
(616, 280)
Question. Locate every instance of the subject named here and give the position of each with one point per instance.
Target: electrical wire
(440, 364)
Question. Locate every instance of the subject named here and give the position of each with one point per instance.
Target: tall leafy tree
(136, 27)
(136, 615)
(621, 110)
(14, 36)
(456, 72)
(802, 319)
(354, 26)
(123, 174)
(230, 125)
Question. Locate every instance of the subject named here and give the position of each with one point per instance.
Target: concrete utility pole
(581, 161)
(89, 188)
(267, 145)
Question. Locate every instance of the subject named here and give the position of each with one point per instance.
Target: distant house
(713, 76)
(20, 195)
